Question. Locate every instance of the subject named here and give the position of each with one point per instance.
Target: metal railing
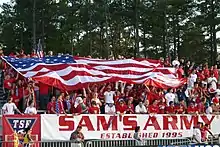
(109, 143)
(132, 143)
(44, 144)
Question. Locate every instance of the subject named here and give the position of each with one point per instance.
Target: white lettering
(28, 122)
(22, 124)
(15, 123)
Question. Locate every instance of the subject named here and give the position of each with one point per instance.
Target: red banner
(14, 126)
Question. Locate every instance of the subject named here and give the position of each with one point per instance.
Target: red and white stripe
(86, 70)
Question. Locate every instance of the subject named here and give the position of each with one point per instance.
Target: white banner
(55, 127)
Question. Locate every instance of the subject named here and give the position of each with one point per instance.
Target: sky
(4, 1)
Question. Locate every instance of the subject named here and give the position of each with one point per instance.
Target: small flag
(40, 53)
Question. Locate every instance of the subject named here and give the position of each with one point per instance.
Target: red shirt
(206, 72)
(94, 110)
(201, 107)
(153, 109)
(16, 99)
(121, 109)
(20, 92)
(201, 76)
(79, 109)
(33, 55)
(162, 107)
(170, 110)
(215, 72)
(180, 109)
(191, 109)
(180, 72)
(204, 131)
(21, 56)
(130, 108)
(8, 83)
(167, 63)
(51, 105)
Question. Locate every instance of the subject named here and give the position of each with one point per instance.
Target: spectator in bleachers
(212, 81)
(208, 108)
(175, 62)
(162, 106)
(67, 104)
(110, 108)
(109, 95)
(153, 108)
(170, 109)
(181, 107)
(201, 106)
(51, 106)
(96, 99)
(192, 109)
(80, 106)
(30, 109)
(121, 108)
(169, 96)
(130, 106)
(94, 109)
(10, 108)
(215, 105)
(59, 108)
(140, 108)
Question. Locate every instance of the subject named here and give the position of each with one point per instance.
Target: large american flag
(70, 73)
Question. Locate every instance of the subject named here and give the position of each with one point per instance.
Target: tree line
(104, 28)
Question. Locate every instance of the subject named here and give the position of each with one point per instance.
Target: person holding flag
(39, 50)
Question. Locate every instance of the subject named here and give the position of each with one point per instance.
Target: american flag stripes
(70, 73)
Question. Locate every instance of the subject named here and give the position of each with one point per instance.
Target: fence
(132, 143)
(111, 143)
(44, 144)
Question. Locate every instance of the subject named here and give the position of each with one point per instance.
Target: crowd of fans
(199, 95)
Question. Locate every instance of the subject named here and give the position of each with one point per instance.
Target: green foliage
(186, 28)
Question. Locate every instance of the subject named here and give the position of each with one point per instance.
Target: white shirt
(175, 62)
(169, 97)
(194, 77)
(197, 135)
(212, 81)
(110, 110)
(190, 83)
(109, 96)
(30, 110)
(9, 108)
(139, 109)
(208, 110)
